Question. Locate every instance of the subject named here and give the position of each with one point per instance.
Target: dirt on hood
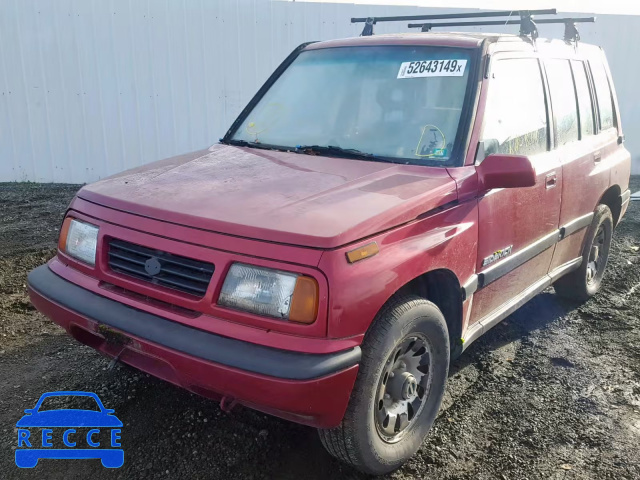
(298, 199)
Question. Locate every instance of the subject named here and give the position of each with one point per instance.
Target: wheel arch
(611, 198)
(442, 287)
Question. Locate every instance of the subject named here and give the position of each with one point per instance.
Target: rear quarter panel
(620, 168)
(617, 156)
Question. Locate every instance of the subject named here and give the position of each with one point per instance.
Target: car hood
(313, 201)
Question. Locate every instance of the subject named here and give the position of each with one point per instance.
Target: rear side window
(515, 120)
(603, 93)
(563, 100)
(584, 98)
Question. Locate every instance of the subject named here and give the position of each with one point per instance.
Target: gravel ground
(552, 392)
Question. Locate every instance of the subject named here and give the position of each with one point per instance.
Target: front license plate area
(112, 336)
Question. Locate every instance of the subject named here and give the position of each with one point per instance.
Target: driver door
(517, 227)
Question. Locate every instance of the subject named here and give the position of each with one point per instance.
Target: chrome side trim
(576, 225)
(507, 308)
(506, 265)
(565, 268)
(470, 287)
(500, 269)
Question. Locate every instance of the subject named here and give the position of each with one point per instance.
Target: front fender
(443, 240)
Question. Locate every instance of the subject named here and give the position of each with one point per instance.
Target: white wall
(92, 87)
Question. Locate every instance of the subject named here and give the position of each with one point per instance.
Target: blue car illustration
(31, 448)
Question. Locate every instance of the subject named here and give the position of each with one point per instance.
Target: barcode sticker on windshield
(432, 68)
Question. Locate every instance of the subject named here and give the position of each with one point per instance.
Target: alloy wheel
(403, 387)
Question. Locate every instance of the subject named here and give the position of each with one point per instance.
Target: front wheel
(585, 282)
(399, 388)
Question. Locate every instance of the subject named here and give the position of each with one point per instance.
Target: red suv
(378, 205)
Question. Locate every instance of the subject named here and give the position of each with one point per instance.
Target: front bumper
(312, 389)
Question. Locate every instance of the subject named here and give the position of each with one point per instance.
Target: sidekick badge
(497, 255)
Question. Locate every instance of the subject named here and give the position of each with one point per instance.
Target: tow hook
(227, 404)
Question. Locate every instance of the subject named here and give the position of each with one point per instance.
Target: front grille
(160, 268)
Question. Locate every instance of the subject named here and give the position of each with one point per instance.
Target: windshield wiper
(313, 150)
(262, 146)
(340, 152)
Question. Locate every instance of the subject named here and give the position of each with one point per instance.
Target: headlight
(79, 240)
(270, 292)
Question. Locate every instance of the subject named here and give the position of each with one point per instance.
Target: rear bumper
(625, 198)
(312, 389)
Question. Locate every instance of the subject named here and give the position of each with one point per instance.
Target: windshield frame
(463, 134)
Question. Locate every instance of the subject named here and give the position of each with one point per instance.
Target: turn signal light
(363, 252)
(304, 302)
(64, 231)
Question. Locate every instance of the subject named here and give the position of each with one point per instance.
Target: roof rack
(570, 30)
(525, 18)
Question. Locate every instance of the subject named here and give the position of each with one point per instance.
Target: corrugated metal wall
(92, 87)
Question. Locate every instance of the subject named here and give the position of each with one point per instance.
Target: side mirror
(29, 411)
(506, 171)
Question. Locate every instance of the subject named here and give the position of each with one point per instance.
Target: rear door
(585, 176)
(517, 227)
(615, 155)
(608, 138)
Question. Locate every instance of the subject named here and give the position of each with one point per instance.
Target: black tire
(583, 283)
(358, 440)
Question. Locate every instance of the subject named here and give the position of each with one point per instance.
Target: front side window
(395, 102)
(603, 94)
(563, 100)
(584, 98)
(515, 120)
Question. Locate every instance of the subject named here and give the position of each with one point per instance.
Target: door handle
(597, 157)
(551, 180)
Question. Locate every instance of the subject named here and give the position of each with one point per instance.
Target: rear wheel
(399, 388)
(585, 282)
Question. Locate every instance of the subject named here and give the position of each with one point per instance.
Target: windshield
(395, 102)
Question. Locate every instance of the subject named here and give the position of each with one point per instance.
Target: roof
(449, 39)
